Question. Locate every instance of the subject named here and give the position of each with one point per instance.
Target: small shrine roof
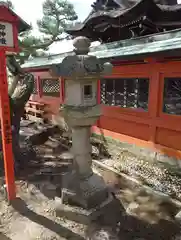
(22, 25)
(141, 46)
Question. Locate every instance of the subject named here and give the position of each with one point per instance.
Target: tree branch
(13, 85)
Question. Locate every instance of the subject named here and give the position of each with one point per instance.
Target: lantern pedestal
(87, 193)
(87, 216)
(82, 186)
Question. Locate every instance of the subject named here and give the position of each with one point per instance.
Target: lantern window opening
(88, 94)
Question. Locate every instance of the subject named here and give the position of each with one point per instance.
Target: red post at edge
(6, 131)
(39, 86)
(63, 90)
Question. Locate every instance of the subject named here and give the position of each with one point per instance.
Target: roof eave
(23, 26)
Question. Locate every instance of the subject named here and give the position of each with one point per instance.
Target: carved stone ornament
(81, 64)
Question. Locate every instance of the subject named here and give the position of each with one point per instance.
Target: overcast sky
(30, 11)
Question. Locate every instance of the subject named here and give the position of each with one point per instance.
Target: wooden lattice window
(125, 92)
(35, 90)
(51, 87)
(172, 96)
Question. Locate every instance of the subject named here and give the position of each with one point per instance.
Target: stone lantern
(81, 110)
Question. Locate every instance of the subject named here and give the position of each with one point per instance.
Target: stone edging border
(147, 188)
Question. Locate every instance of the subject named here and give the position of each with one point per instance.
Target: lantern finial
(81, 45)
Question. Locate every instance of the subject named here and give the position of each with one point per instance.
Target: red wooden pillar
(62, 90)
(98, 99)
(6, 129)
(99, 92)
(153, 104)
(39, 86)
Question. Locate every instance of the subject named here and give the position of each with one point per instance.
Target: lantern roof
(6, 10)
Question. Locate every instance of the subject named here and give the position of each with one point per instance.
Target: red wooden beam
(38, 69)
(6, 129)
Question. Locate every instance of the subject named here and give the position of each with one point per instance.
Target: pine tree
(57, 15)
(10, 4)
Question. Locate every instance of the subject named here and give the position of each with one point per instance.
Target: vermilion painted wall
(153, 129)
(53, 102)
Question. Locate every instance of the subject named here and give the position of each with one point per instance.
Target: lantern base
(87, 193)
(109, 207)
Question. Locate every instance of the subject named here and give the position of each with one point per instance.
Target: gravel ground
(32, 216)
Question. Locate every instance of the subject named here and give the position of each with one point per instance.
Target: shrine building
(141, 99)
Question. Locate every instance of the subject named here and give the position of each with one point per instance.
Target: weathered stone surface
(86, 216)
(87, 193)
(143, 199)
(132, 208)
(102, 233)
(178, 217)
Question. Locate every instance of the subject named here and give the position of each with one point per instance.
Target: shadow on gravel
(133, 228)
(21, 207)
(4, 237)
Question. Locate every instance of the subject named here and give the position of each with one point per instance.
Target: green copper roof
(138, 46)
(45, 61)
